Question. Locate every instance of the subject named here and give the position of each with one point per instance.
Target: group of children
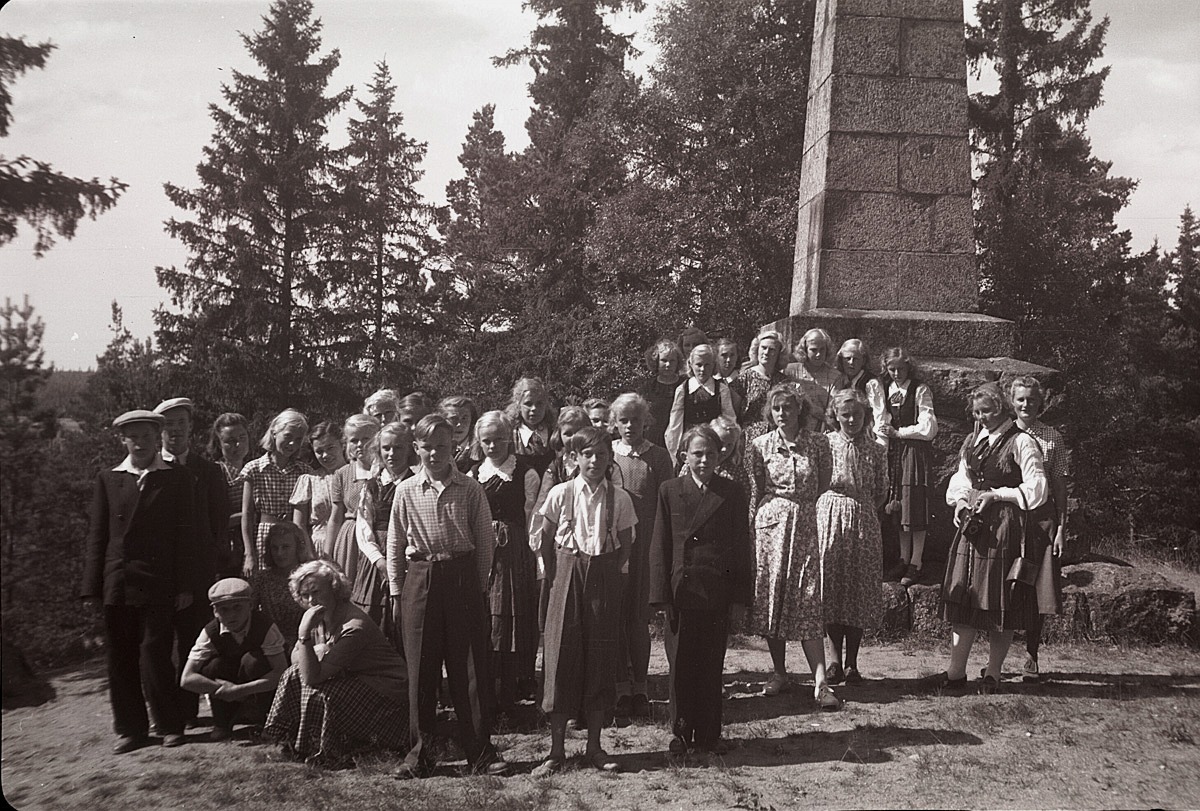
(471, 540)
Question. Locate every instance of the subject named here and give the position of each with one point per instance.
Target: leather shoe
(641, 706)
(834, 673)
(128, 743)
(677, 746)
(173, 739)
(407, 771)
(942, 683)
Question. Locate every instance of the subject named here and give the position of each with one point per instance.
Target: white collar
(623, 448)
(525, 432)
(170, 457)
(488, 470)
(994, 437)
(127, 466)
(702, 487)
(361, 473)
(694, 385)
(584, 489)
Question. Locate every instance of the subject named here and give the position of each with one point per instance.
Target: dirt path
(1115, 727)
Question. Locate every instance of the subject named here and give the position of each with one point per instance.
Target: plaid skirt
(326, 724)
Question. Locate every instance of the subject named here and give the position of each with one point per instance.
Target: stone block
(926, 602)
(814, 169)
(867, 45)
(916, 9)
(825, 33)
(1132, 604)
(877, 221)
(925, 334)
(951, 380)
(897, 612)
(806, 264)
(864, 279)
(865, 104)
(929, 106)
(933, 49)
(952, 225)
(944, 282)
(816, 122)
(934, 165)
(858, 162)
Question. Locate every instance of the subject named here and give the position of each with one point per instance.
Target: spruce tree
(381, 312)
(1050, 254)
(244, 314)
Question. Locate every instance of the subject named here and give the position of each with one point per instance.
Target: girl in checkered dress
(268, 484)
(534, 419)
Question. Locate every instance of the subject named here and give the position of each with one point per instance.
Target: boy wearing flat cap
(237, 659)
(210, 498)
(140, 564)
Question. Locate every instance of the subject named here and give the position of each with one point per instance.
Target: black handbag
(1024, 569)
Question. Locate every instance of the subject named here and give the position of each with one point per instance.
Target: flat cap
(228, 590)
(139, 415)
(175, 402)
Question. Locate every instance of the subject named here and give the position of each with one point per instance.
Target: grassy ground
(1112, 727)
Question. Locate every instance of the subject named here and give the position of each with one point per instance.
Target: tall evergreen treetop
(260, 226)
(382, 308)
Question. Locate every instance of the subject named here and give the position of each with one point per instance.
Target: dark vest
(506, 499)
(861, 383)
(985, 464)
(697, 410)
(383, 495)
(229, 648)
(906, 414)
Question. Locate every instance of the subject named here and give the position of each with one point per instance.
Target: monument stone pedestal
(885, 247)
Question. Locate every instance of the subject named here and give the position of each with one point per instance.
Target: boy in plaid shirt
(439, 555)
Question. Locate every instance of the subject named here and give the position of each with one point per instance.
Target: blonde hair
(664, 345)
(284, 419)
(630, 401)
(852, 344)
(784, 357)
(851, 395)
(522, 387)
(322, 571)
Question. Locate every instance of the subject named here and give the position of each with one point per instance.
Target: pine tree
(31, 190)
(1050, 254)
(382, 311)
(246, 306)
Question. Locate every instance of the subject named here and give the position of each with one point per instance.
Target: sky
(126, 94)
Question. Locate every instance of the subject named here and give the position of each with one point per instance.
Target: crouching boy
(237, 659)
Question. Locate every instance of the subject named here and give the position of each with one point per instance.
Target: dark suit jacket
(211, 501)
(142, 547)
(700, 555)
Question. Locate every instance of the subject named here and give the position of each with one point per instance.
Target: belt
(570, 551)
(439, 557)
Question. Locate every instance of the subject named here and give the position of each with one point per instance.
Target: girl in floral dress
(752, 384)
(848, 530)
(789, 468)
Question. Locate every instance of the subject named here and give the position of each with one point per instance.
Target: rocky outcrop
(1123, 604)
(1101, 602)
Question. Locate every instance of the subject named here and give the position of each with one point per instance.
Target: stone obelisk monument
(885, 247)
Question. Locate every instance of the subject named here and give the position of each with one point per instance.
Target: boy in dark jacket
(700, 559)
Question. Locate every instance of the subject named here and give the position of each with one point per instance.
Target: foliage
(30, 190)
(381, 310)
(41, 479)
(710, 209)
(247, 305)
